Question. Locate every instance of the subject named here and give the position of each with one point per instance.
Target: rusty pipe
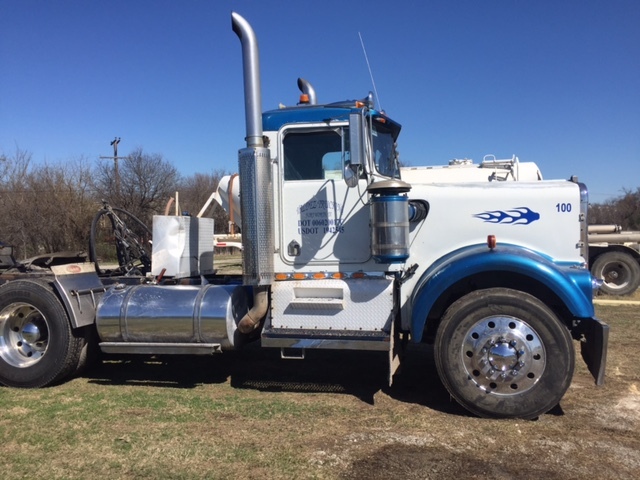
(252, 318)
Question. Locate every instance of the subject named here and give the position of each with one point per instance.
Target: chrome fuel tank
(172, 314)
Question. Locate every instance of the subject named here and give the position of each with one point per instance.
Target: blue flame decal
(517, 216)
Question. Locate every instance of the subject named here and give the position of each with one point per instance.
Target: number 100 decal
(563, 207)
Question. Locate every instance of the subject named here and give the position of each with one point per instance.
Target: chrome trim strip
(326, 339)
(148, 348)
(584, 222)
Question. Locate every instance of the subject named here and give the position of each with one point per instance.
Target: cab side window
(314, 155)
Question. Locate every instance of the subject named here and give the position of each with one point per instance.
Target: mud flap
(593, 347)
(395, 350)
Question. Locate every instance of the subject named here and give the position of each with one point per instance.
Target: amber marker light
(338, 275)
(304, 99)
(281, 276)
(358, 275)
(491, 241)
(299, 276)
(319, 275)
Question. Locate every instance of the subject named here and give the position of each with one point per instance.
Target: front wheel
(37, 345)
(502, 353)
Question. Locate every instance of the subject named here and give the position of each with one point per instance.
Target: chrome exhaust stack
(251, 75)
(256, 193)
(307, 89)
(254, 164)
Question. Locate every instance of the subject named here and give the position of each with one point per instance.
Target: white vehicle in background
(490, 169)
(614, 256)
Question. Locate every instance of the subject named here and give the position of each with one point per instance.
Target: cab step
(326, 339)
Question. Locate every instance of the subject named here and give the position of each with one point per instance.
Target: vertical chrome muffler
(254, 163)
(256, 192)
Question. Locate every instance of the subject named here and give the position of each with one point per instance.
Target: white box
(182, 245)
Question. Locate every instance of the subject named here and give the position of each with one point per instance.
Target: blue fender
(570, 281)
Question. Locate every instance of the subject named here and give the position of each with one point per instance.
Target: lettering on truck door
(324, 221)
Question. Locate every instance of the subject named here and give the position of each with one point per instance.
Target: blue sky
(555, 82)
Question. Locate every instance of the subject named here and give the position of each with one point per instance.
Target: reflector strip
(281, 276)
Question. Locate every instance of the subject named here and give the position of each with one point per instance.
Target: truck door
(323, 221)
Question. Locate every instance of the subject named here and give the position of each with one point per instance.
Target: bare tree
(194, 193)
(61, 206)
(45, 208)
(13, 175)
(48, 208)
(623, 210)
(144, 185)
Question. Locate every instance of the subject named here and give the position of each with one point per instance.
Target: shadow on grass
(358, 373)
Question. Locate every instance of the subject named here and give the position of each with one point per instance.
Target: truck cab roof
(273, 120)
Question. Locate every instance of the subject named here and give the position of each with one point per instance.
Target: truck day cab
(340, 253)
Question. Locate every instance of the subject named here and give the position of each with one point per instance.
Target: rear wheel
(502, 353)
(37, 344)
(619, 272)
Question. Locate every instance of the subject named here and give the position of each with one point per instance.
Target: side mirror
(356, 149)
(351, 175)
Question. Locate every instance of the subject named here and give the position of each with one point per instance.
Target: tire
(502, 353)
(37, 345)
(619, 272)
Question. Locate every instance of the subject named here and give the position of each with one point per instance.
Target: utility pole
(115, 158)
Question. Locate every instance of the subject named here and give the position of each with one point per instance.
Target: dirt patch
(418, 462)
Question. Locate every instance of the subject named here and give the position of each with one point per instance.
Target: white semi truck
(338, 253)
(614, 253)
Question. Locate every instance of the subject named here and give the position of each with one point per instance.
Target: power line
(115, 159)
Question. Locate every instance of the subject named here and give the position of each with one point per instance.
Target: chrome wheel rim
(503, 355)
(24, 335)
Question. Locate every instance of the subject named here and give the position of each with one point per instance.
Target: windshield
(384, 151)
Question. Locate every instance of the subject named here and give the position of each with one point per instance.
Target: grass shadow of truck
(355, 373)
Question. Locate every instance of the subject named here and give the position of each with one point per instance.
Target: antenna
(375, 90)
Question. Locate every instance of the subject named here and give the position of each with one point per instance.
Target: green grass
(251, 415)
(81, 429)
